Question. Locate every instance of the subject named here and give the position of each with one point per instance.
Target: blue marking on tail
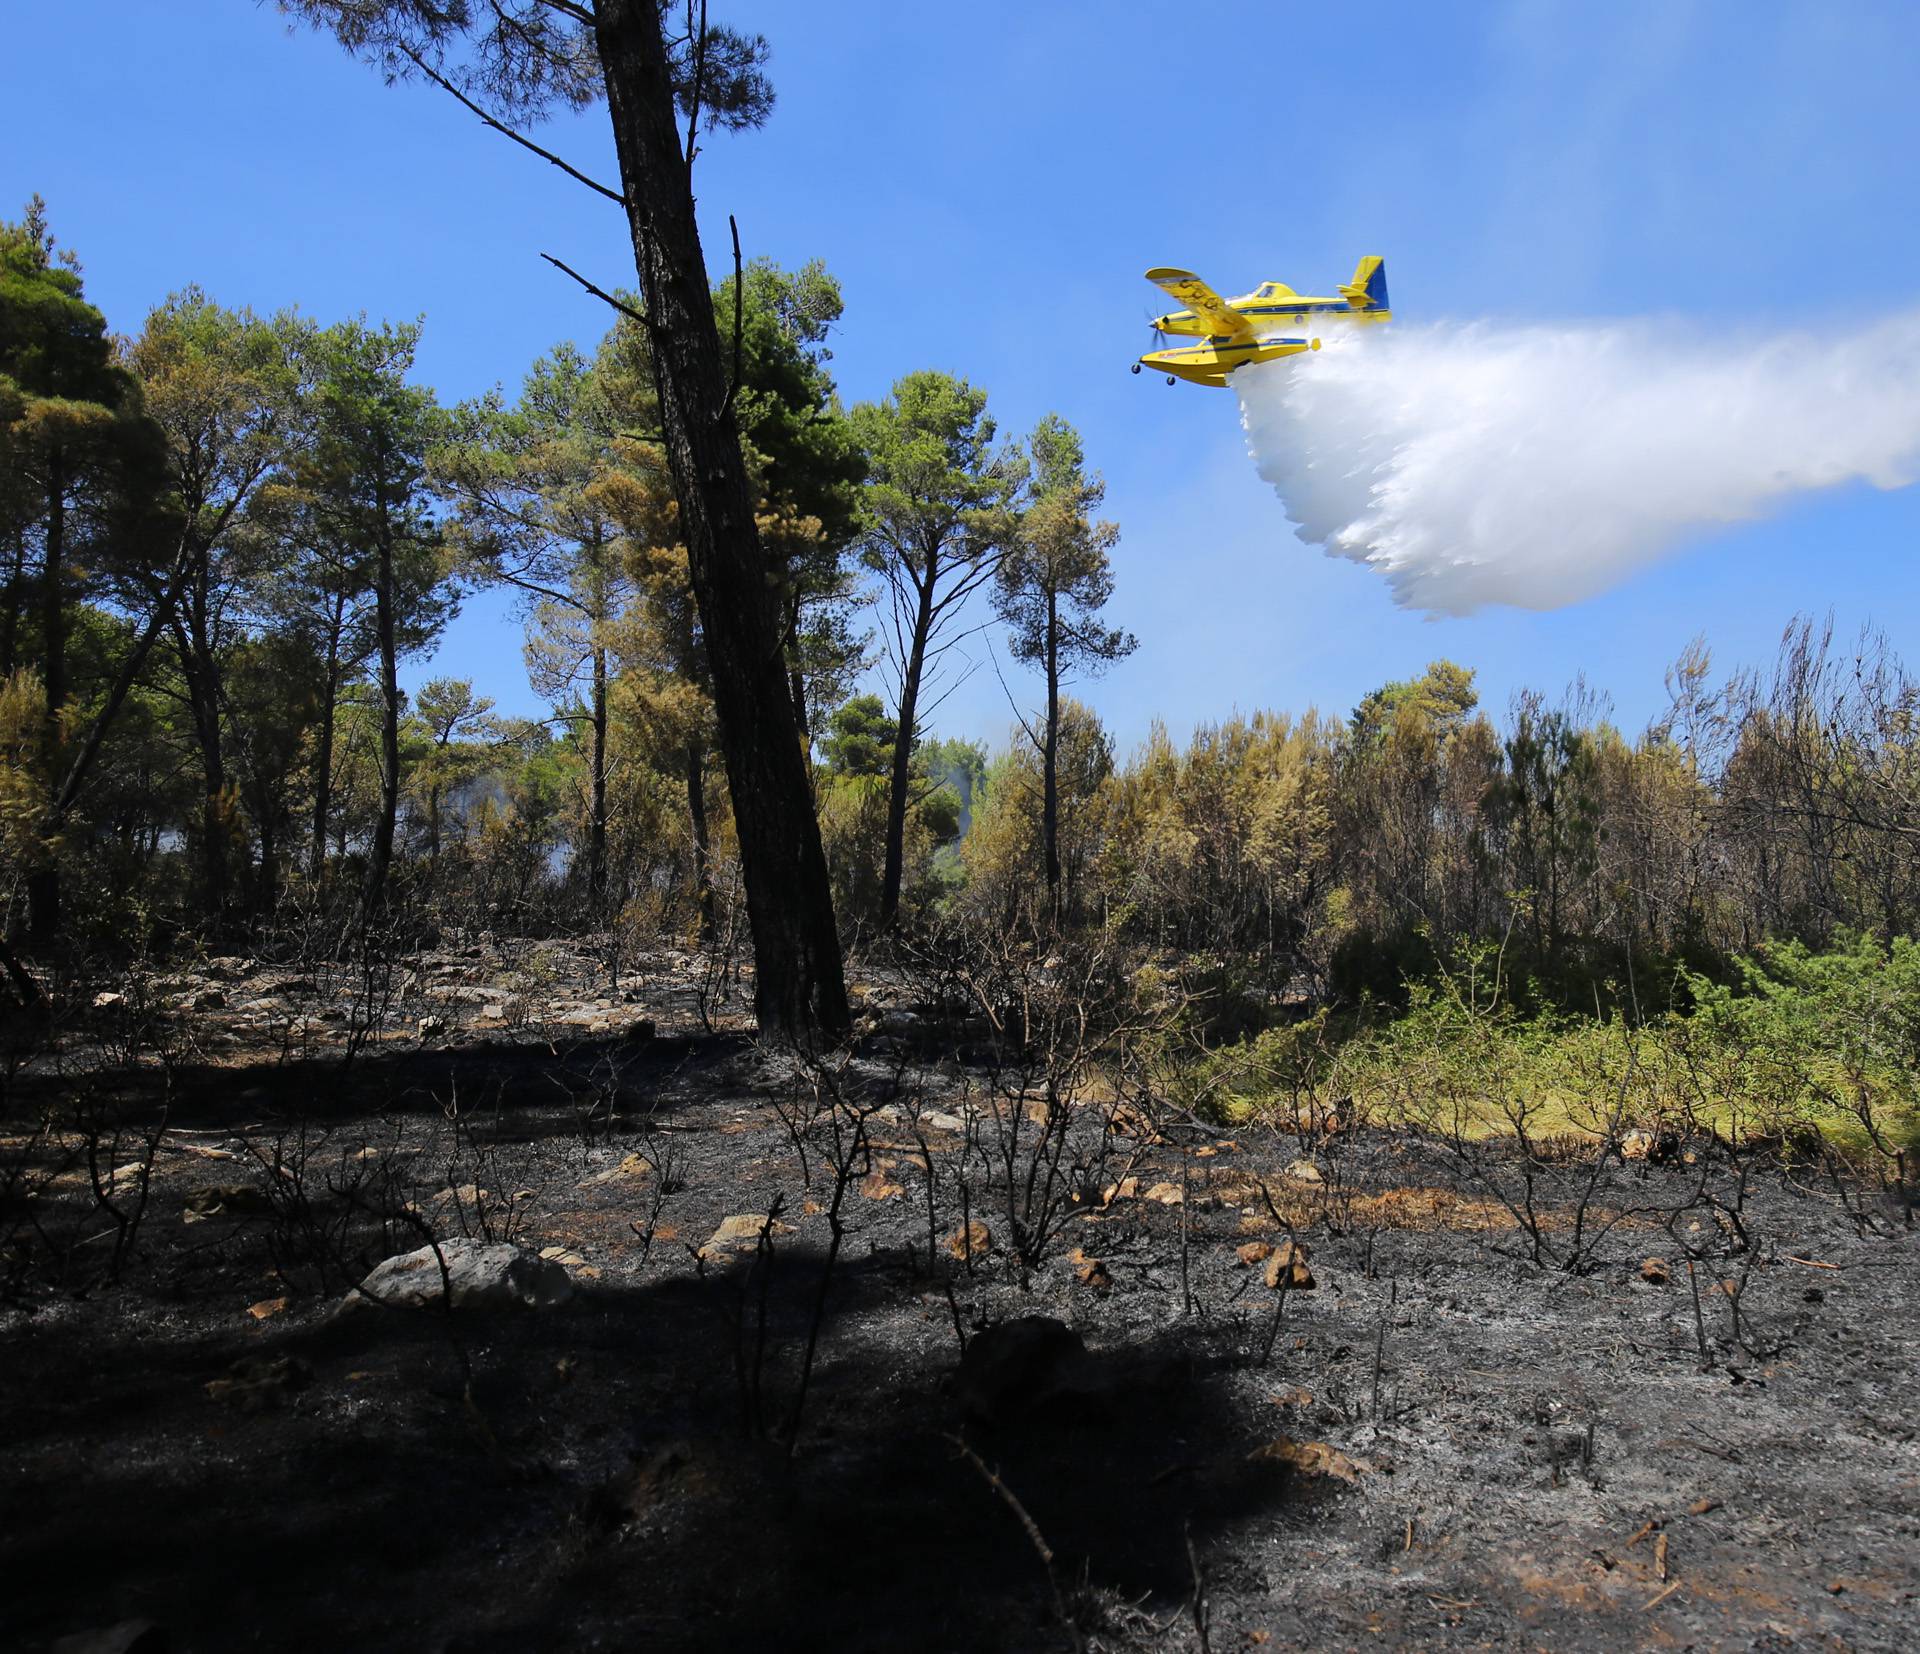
(1377, 287)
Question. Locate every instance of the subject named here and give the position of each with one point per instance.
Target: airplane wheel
(1170, 379)
(1136, 367)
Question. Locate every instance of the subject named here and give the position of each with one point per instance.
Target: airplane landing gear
(1171, 380)
(1136, 367)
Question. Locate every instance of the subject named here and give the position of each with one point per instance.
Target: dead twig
(601, 293)
(1202, 1613)
(506, 131)
(1379, 1360)
(1699, 1320)
(1726, 1453)
(1279, 1316)
(1032, 1530)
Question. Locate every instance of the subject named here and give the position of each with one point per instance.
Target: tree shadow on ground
(539, 1086)
(503, 1480)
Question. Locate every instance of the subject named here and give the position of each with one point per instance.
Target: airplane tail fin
(1368, 289)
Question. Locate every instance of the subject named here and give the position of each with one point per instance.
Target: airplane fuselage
(1270, 322)
(1294, 312)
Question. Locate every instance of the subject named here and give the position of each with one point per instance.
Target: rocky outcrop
(473, 1274)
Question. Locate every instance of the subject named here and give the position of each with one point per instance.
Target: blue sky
(988, 182)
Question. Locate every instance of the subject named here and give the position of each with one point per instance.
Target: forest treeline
(223, 536)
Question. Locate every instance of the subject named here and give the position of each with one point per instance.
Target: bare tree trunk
(267, 881)
(798, 985)
(323, 780)
(16, 592)
(130, 669)
(702, 844)
(796, 679)
(597, 826)
(1050, 763)
(214, 832)
(27, 992)
(43, 882)
(901, 781)
(199, 670)
(323, 757)
(380, 853)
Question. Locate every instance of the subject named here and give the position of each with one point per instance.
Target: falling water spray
(1534, 466)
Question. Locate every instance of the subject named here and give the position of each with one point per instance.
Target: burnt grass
(1521, 1456)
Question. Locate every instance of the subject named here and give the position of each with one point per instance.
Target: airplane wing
(1201, 299)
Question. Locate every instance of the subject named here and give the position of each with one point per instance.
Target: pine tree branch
(739, 290)
(501, 127)
(597, 292)
(567, 8)
(699, 37)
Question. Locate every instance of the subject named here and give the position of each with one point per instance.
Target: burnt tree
(798, 983)
(521, 57)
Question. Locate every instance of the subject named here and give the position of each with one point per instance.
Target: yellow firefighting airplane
(1257, 327)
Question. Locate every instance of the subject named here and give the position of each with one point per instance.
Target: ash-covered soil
(1439, 1443)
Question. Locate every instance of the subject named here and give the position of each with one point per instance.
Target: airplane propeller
(1159, 337)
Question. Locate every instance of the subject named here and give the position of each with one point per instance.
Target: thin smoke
(1537, 465)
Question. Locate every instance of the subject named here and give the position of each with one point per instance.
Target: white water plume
(1537, 465)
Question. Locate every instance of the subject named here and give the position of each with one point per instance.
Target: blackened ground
(602, 1475)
